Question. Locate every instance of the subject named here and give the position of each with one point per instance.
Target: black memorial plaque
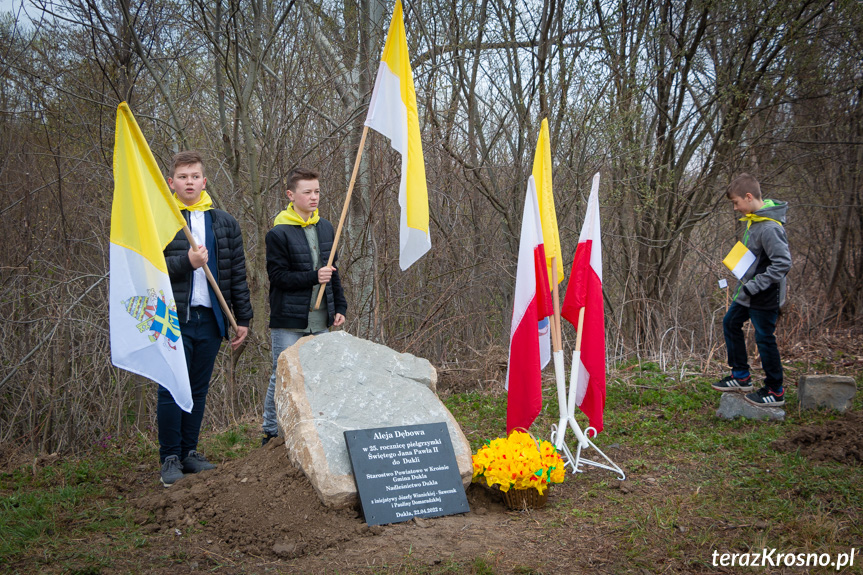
(406, 472)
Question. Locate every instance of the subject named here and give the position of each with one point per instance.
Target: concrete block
(833, 391)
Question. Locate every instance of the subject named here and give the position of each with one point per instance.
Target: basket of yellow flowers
(521, 467)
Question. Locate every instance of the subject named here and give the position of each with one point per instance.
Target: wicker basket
(521, 498)
(525, 498)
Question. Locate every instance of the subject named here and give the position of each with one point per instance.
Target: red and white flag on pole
(532, 304)
(585, 291)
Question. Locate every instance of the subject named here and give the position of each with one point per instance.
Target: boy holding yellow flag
(759, 294)
(202, 322)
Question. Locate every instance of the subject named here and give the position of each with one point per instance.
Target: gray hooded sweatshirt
(763, 285)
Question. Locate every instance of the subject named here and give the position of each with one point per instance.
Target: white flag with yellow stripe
(393, 113)
(145, 329)
(739, 259)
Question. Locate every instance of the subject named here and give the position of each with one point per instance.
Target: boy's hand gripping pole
(222, 303)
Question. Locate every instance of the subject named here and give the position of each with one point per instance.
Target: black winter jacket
(292, 277)
(231, 266)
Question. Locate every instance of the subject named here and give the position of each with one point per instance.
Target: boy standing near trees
(759, 295)
(298, 248)
(203, 324)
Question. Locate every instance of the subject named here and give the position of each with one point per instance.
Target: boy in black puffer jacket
(298, 248)
(203, 325)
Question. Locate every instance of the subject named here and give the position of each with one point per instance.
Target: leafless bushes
(667, 100)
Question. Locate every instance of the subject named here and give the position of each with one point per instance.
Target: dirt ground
(261, 506)
(839, 440)
(261, 514)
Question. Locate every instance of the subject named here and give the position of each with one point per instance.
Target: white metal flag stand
(567, 408)
(567, 419)
(577, 387)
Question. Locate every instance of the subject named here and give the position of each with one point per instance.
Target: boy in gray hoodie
(759, 295)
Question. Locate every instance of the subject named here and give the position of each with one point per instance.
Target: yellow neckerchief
(290, 217)
(204, 203)
(750, 218)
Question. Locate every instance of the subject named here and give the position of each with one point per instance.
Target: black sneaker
(196, 462)
(266, 439)
(172, 470)
(766, 397)
(731, 383)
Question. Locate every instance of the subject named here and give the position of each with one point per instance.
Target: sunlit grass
(744, 494)
(700, 483)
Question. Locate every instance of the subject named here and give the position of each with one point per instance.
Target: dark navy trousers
(178, 430)
(764, 322)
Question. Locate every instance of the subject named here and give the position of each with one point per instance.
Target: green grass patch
(34, 509)
(231, 443)
(484, 414)
(695, 484)
(46, 511)
(723, 476)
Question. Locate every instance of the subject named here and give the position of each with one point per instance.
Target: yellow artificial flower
(516, 462)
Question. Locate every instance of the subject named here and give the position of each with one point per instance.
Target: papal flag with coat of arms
(145, 330)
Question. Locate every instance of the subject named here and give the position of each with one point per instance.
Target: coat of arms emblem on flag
(157, 315)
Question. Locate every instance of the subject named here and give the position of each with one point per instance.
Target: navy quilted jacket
(231, 266)
(292, 277)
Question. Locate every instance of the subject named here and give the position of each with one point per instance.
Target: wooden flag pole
(576, 360)
(555, 333)
(567, 414)
(212, 281)
(580, 325)
(573, 384)
(344, 213)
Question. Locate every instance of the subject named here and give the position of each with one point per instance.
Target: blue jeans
(764, 323)
(281, 340)
(178, 430)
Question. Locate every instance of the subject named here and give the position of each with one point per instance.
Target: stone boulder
(336, 382)
(733, 405)
(833, 391)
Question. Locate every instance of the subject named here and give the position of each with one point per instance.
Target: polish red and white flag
(584, 291)
(532, 304)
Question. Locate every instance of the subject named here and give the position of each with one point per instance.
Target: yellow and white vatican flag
(145, 329)
(393, 113)
(738, 260)
(545, 196)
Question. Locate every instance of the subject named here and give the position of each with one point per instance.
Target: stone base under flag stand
(335, 382)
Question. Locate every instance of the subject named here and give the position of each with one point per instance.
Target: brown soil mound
(262, 506)
(839, 440)
(259, 505)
